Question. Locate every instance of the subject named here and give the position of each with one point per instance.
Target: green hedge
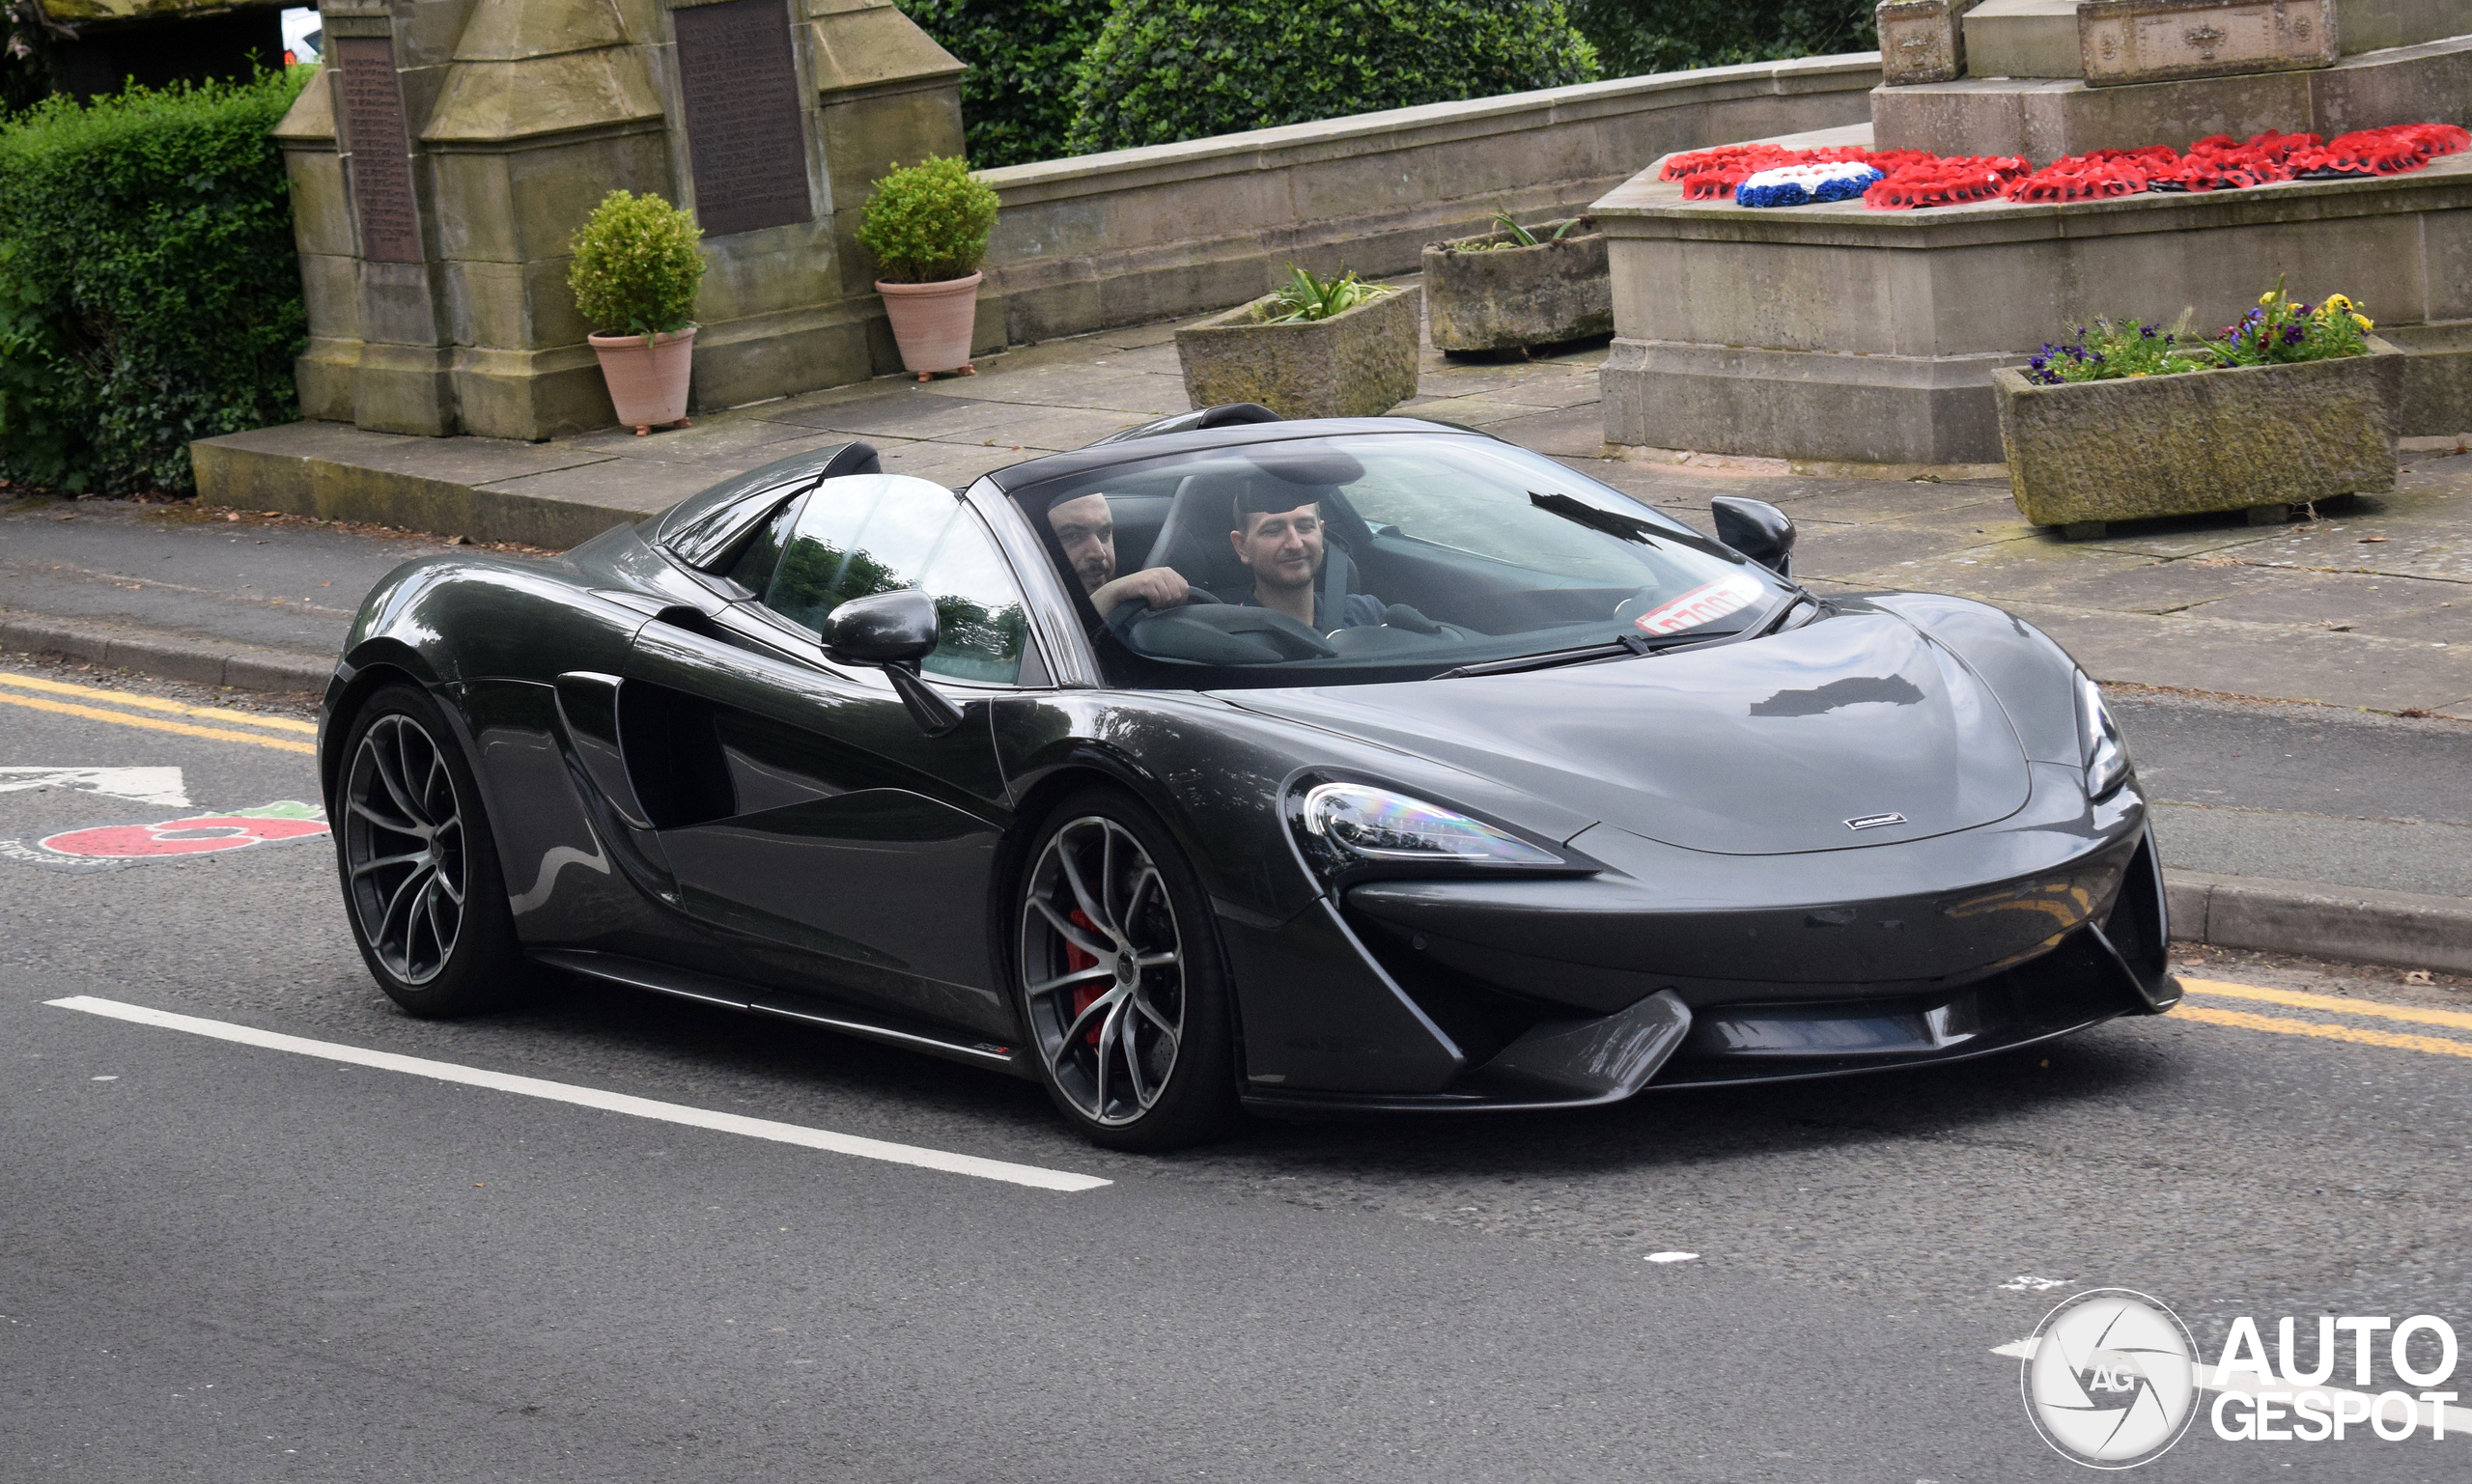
(1633, 38)
(1017, 98)
(1167, 70)
(149, 288)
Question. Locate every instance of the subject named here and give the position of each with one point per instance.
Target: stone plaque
(381, 154)
(745, 137)
(1921, 41)
(2157, 40)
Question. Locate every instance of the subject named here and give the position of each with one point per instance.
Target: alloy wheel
(403, 849)
(1103, 970)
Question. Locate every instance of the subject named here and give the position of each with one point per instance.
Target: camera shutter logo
(2112, 1382)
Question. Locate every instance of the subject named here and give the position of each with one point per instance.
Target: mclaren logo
(1874, 821)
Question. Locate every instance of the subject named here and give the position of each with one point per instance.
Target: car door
(800, 804)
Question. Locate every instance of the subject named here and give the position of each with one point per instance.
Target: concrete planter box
(1509, 298)
(1358, 364)
(2259, 438)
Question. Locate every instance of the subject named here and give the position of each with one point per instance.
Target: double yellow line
(2200, 989)
(152, 712)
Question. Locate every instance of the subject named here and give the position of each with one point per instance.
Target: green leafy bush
(1633, 38)
(1017, 98)
(929, 222)
(1167, 70)
(150, 292)
(637, 269)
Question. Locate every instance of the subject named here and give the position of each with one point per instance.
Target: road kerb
(166, 654)
(2356, 924)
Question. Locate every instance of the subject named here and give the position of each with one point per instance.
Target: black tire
(422, 887)
(1102, 968)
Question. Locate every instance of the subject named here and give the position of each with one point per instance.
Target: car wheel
(420, 871)
(1120, 980)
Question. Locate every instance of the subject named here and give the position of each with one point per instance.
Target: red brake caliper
(1076, 961)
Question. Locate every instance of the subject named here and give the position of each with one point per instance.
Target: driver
(1088, 532)
(1282, 545)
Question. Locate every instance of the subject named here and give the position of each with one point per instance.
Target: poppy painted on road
(104, 847)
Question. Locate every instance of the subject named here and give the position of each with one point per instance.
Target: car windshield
(1325, 560)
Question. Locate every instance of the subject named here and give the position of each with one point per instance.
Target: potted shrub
(635, 273)
(1316, 348)
(1515, 287)
(2297, 403)
(927, 225)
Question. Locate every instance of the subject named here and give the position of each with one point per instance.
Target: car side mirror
(1757, 529)
(894, 632)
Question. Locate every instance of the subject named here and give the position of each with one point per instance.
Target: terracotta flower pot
(646, 376)
(932, 323)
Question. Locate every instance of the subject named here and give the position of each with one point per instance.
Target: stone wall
(1834, 333)
(451, 313)
(1179, 229)
(519, 114)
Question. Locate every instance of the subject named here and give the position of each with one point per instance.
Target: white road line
(2241, 1383)
(591, 1097)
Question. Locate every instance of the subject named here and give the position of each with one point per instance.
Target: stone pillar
(435, 261)
(549, 107)
(380, 349)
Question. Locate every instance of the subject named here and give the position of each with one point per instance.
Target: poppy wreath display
(2395, 150)
(2096, 176)
(1806, 184)
(1935, 182)
(1713, 175)
(1767, 175)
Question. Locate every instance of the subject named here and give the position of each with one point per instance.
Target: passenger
(1284, 550)
(1088, 532)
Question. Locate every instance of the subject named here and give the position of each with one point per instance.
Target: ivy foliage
(637, 271)
(929, 222)
(1633, 38)
(1161, 70)
(149, 293)
(1017, 98)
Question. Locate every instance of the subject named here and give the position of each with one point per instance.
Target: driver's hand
(1162, 587)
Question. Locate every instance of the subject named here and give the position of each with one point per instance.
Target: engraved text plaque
(745, 139)
(2157, 40)
(381, 156)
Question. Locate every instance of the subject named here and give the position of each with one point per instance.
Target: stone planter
(1358, 364)
(931, 324)
(646, 376)
(1509, 298)
(2259, 438)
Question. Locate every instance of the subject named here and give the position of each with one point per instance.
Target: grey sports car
(1235, 763)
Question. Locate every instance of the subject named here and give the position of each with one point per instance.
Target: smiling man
(1088, 532)
(1283, 545)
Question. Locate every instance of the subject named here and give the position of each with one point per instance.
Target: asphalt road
(235, 1262)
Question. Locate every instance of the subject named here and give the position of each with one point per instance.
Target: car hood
(1764, 748)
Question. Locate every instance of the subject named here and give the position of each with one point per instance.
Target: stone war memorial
(1843, 332)
(443, 158)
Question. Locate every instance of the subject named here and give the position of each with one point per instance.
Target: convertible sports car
(1233, 762)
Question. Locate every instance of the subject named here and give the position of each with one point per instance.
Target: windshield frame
(1028, 488)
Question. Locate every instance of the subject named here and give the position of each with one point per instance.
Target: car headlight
(1346, 825)
(2099, 736)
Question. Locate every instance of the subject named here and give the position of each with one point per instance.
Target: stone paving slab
(2370, 604)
